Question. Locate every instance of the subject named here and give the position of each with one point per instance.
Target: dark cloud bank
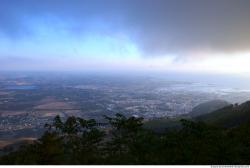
(156, 26)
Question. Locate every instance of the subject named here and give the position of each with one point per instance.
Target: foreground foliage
(125, 141)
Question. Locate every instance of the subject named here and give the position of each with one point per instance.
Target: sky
(167, 35)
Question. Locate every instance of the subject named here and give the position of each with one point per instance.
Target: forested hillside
(229, 116)
(126, 141)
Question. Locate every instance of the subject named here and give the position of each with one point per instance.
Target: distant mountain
(163, 124)
(229, 116)
(208, 107)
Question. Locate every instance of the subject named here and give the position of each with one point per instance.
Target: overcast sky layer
(179, 35)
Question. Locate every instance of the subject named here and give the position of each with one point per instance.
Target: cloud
(182, 26)
(157, 27)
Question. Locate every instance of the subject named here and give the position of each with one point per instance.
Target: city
(28, 101)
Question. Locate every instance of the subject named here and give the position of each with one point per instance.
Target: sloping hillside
(230, 116)
(208, 107)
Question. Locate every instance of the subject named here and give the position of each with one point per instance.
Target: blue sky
(176, 35)
(48, 37)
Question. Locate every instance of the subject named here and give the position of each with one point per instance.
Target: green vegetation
(163, 124)
(208, 107)
(229, 116)
(127, 141)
